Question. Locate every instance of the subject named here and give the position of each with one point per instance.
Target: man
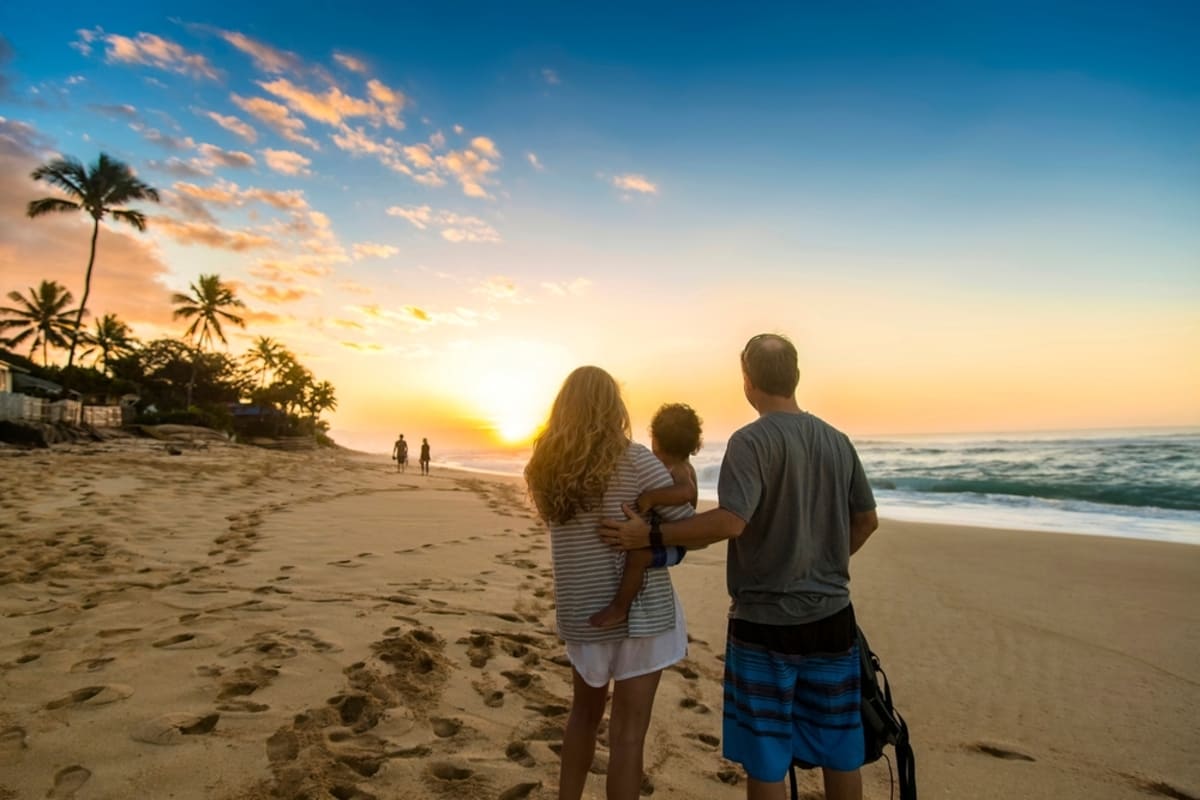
(794, 504)
(400, 454)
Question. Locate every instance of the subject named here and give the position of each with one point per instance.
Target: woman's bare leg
(579, 738)
(633, 700)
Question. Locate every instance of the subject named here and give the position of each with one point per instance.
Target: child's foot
(607, 618)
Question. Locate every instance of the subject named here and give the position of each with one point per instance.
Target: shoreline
(317, 622)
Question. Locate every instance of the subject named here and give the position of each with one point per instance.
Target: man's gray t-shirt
(795, 480)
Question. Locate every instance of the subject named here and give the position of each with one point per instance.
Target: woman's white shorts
(600, 662)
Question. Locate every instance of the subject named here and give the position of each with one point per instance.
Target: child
(674, 438)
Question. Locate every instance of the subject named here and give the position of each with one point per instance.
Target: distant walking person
(400, 454)
(424, 456)
(795, 504)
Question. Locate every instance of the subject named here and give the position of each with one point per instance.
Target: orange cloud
(276, 117)
(266, 57)
(286, 162)
(330, 107)
(235, 126)
(155, 51)
(351, 63)
(635, 183)
(372, 250)
(210, 235)
(226, 158)
(274, 294)
(454, 227)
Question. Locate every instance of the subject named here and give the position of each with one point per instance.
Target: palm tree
(320, 397)
(96, 190)
(267, 354)
(110, 339)
(43, 315)
(206, 307)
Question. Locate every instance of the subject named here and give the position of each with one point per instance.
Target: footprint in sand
(170, 729)
(1000, 751)
(519, 752)
(444, 728)
(187, 641)
(92, 664)
(12, 739)
(520, 791)
(692, 704)
(92, 696)
(68, 781)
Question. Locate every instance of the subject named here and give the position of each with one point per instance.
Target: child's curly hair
(676, 427)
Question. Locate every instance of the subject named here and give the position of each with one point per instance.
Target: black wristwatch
(655, 532)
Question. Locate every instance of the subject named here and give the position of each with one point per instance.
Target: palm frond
(135, 218)
(49, 205)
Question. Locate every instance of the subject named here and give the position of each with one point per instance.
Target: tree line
(185, 380)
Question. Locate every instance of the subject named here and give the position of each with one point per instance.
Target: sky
(968, 216)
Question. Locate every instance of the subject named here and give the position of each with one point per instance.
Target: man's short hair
(771, 363)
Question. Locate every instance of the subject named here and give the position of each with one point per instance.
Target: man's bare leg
(759, 790)
(842, 785)
(616, 612)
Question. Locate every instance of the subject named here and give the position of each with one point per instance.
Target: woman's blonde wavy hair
(577, 451)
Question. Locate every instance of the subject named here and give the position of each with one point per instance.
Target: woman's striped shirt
(587, 571)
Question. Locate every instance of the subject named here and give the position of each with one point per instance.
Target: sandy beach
(233, 623)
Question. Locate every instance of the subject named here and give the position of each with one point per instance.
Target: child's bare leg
(636, 562)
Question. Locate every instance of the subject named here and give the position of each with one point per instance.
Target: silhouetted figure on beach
(424, 456)
(400, 454)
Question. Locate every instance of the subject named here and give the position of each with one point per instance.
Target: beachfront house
(6, 379)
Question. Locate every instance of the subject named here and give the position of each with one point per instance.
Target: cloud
(575, 288)
(499, 287)
(191, 208)
(179, 168)
(226, 158)
(469, 168)
(286, 162)
(267, 317)
(356, 288)
(350, 62)
(333, 106)
(420, 216)
(438, 140)
(347, 324)
(266, 57)
(534, 162)
(551, 76)
(234, 126)
(155, 136)
(634, 183)
(276, 295)
(130, 274)
(228, 194)
(368, 347)
(151, 50)
(276, 117)
(372, 250)
(454, 227)
(288, 271)
(485, 146)
(121, 111)
(210, 235)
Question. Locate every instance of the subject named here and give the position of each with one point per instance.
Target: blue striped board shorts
(786, 701)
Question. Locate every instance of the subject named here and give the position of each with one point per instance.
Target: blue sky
(984, 172)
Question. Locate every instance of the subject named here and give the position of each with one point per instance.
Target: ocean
(1142, 484)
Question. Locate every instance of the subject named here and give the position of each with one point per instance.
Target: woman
(582, 469)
